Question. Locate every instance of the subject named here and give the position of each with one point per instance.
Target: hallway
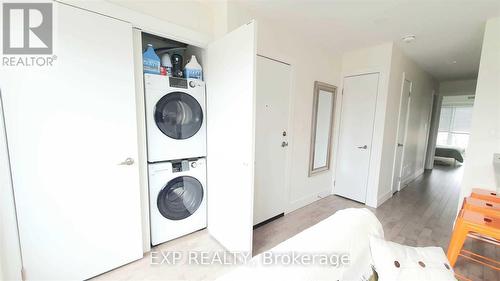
(419, 215)
(422, 214)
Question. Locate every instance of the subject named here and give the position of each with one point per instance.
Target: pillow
(393, 261)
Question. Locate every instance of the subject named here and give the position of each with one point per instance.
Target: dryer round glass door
(178, 115)
(180, 198)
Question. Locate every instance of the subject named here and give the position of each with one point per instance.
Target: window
(454, 125)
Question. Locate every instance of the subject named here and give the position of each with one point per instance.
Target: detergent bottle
(193, 69)
(151, 61)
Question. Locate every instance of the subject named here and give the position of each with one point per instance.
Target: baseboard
(304, 201)
(268, 221)
(384, 198)
(412, 177)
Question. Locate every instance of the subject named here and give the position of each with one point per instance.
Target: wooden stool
(476, 223)
(481, 206)
(483, 194)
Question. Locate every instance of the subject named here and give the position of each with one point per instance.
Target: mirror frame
(320, 86)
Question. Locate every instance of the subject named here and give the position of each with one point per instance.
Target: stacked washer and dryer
(176, 145)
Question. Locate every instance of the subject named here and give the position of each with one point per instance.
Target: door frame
(288, 161)
(405, 78)
(8, 224)
(428, 129)
(382, 81)
(433, 130)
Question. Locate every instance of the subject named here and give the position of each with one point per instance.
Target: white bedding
(347, 231)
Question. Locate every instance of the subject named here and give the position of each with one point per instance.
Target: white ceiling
(446, 30)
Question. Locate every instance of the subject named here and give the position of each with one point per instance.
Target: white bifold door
(230, 75)
(356, 133)
(72, 140)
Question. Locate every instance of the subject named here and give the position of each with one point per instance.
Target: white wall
(308, 63)
(392, 64)
(159, 21)
(458, 100)
(457, 87)
(192, 14)
(485, 131)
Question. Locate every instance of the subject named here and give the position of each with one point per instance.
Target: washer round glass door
(178, 115)
(180, 198)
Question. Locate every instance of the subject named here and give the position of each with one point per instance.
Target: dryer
(175, 118)
(177, 198)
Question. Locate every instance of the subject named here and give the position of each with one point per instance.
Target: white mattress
(347, 231)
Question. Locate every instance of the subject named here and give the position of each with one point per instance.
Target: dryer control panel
(178, 82)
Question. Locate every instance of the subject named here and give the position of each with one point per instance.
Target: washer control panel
(185, 165)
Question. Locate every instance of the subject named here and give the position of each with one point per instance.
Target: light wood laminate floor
(422, 214)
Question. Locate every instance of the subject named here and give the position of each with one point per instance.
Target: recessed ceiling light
(408, 38)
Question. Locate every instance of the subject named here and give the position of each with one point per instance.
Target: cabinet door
(231, 137)
(70, 128)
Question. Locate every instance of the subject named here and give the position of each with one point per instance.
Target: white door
(70, 129)
(271, 138)
(231, 137)
(356, 130)
(401, 138)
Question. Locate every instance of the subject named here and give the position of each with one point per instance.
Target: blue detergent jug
(151, 61)
(193, 69)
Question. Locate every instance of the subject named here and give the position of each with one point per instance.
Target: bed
(346, 231)
(453, 152)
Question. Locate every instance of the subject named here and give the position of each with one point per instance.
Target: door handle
(129, 161)
(284, 144)
(363, 147)
(400, 145)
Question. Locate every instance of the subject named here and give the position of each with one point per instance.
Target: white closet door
(356, 134)
(231, 137)
(69, 127)
(404, 110)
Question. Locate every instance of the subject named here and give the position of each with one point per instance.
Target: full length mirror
(322, 127)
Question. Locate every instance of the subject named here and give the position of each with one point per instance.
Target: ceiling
(448, 32)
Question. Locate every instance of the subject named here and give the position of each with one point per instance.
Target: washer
(175, 118)
(177, 198)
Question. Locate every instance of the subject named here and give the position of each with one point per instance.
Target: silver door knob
(283, 144)
(363, 147)
(129, 161)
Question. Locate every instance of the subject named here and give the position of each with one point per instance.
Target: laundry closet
(83, 155)
(175, 133)
(246, 138)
